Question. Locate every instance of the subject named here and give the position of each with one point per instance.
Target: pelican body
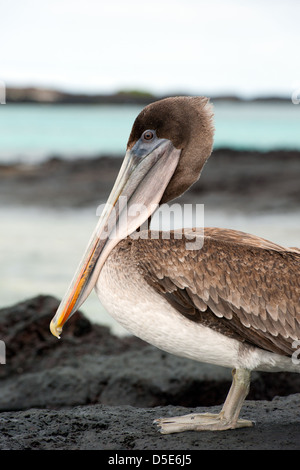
(233, 300)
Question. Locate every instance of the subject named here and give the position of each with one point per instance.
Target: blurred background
(76, 74)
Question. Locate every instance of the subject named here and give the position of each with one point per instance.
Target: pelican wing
(238, 284)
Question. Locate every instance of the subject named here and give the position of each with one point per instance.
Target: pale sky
(247, 47)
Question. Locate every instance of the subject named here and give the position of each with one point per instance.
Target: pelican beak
(144, 175)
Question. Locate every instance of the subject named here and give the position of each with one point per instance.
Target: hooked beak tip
(55, 330)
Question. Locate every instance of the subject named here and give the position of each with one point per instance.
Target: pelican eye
(148, 135)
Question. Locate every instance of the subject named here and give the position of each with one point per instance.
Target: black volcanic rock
(92, 377)
(90, 365)
(231, 179)
(119, 428)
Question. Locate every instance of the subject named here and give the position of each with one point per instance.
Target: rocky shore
(93, 390)
(231, 179)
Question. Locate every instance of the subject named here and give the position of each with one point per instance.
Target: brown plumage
(238, 284)
(233, 302)
(188, 123)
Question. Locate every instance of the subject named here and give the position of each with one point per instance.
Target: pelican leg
(226, 419)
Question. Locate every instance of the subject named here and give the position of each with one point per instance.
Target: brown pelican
(234, 302)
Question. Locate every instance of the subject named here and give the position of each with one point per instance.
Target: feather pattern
(241, 285)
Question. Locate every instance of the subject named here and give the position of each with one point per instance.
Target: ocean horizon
(32, 133)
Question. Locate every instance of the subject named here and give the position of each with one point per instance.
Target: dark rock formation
(100, 391)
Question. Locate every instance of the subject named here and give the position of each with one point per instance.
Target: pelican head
(168, 146)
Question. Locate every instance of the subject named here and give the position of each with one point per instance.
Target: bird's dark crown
(188, 123)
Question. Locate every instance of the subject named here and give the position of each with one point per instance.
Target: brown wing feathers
(237, 284)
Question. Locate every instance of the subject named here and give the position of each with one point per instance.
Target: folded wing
(238, 284)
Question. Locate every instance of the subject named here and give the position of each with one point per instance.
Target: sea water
(32, 132)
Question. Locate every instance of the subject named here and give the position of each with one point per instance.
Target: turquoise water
(31, 133)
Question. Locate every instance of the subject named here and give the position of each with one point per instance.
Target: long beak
(139, 187)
